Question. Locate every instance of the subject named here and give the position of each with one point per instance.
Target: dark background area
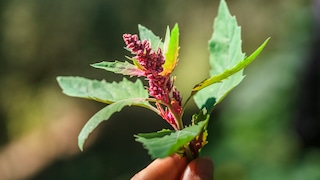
(267, 128)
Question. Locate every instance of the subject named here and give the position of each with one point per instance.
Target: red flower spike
(160, 87)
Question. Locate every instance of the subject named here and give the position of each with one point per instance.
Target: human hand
(175, 168)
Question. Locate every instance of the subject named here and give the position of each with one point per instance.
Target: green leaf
(228, 72)
(103, 115)
(146, 34)
(166, 142)
(171, 51)
(203, 115)
(102, 91)
(124, 68)
(137, 64)
(226, 59)
(166, 40)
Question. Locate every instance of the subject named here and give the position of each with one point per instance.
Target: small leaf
(124, 68)
(102, 91)
(146, 34)
(203, 115)
(103, 115)
(137, 64)
(171, 55)
(166, 142)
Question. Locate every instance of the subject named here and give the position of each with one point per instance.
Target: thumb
(199, 169)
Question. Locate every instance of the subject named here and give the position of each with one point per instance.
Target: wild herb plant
(154, 60)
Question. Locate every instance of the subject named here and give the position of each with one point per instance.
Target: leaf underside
(103, 115)
(117, 94)
(102, 91)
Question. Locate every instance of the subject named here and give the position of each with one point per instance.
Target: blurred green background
(261, 131)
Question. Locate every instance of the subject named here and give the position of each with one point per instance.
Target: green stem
(188, 153)
(185, 104)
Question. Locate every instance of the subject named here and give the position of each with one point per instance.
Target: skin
(175, 168)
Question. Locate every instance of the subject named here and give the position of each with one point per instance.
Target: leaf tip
(99, 65)
(267, 40)
(80, 144)
(93, 65)
(58, 78)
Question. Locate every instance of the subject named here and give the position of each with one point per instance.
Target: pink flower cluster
(160, 87)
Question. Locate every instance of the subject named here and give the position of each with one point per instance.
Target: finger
(169, 168)
(199, 169)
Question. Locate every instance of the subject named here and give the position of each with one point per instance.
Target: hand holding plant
(155, 61)
(174, 167)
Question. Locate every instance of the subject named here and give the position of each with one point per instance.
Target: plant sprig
(155, 61)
